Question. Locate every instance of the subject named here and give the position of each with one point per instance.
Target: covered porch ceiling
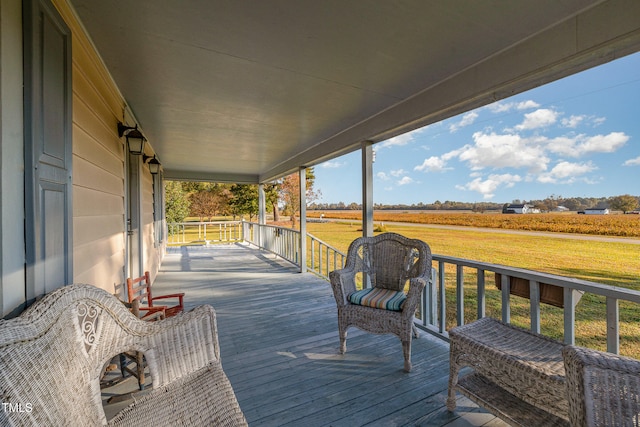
(248, 91)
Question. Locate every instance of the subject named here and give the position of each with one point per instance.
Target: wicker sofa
(52, 357)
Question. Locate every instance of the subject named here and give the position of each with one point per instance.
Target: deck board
(279, 347)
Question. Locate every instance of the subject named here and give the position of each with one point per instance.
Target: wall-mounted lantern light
(135, 138)
(154, 165)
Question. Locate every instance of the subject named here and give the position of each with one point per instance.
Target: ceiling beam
(204, 176)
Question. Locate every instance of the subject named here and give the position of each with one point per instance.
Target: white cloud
(401, 140)
(581, 145)
(332, 164)
(504, 107)
(432, 164)
(488, 187)
(466, 120)
(524, 152)
(405, 180)
(526, 105)
(604, 143)
(566, 172)
(502, 151)
(573, 121)
(540, 118)
(632, 162)
(500, 107)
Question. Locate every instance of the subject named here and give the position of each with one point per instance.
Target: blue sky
(576, 137)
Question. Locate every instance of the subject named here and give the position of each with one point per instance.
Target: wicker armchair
(603, 389)
(387, 262)
(53, 354)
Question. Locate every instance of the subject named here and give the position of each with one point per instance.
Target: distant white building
(521, 209)
(561, 209)
(596, 211)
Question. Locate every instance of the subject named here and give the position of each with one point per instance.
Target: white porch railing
(282, 241)
(204, 232)
(435, 305)
(285, 242)
(464, 276)
(324, 257)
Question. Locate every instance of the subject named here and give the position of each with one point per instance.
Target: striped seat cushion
(379, 298)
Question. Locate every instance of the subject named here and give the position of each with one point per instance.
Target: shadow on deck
(279, 347)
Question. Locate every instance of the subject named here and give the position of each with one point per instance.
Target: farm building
(520, 209)
(596, 211)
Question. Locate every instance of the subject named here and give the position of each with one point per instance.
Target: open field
(616, 264)
(602, 225)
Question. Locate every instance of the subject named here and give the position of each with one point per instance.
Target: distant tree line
(625, 203)
(206, 200)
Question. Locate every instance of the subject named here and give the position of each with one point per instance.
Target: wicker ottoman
(517, 375)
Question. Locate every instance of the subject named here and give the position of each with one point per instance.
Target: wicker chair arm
(343, 283)
(603, 388)
(586, 358)
(204, 397)
(182, 344)
(416, 286)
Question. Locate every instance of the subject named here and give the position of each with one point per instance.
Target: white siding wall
(99, 233)
(98, 167)
(99, 170)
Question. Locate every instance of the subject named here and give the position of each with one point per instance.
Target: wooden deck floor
(279, 346)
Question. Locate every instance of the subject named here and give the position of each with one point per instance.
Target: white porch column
(262, 212)
(303, 219)
(262, 205)
(367, 189)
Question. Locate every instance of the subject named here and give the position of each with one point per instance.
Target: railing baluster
(534, 305)
(460, 294)
(481, 294)
(569, 317)
(423, 304)
(443, 298)
(431, 299)
(506, 300)
(327, 262)
(613, 326)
